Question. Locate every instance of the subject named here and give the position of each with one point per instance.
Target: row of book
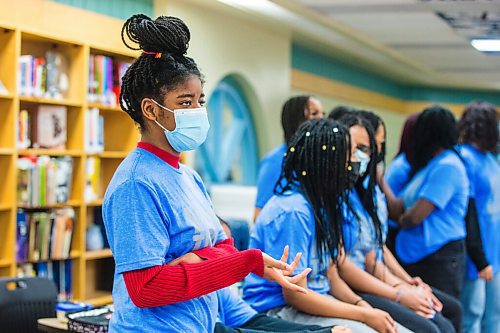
(43, 180)
(57, 271)
(44, 235)
(44, 76)
(105, 74)
(44, 128)
(92, 179)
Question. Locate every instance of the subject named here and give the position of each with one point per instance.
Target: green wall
(121, 9)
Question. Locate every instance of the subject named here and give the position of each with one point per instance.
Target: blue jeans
(481, 305)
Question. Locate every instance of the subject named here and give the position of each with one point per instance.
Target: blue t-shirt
(444, 183)
(154, 213)
(285, 220)
(484, 175)
(233, 311)
(397, 175)
(269, 174)
(359, 231)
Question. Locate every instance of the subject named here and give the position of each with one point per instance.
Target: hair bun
(165, 34)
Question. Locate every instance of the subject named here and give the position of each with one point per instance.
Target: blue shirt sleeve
(292, 229)
(397, 174)
(139, 235)
(439, 185)
(233, 311)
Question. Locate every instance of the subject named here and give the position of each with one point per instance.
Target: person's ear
(149, 109)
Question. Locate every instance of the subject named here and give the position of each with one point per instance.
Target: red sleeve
(163, 285)
(221, 248)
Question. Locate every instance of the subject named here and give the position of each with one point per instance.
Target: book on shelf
(23, 130)
(44, 235)
(45, 77)
(94, 131)
(57, 271)
(43, 180)
(92, 178)
(50, 127)
(105, 75)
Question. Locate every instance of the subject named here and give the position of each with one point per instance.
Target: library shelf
(105, 108)
(99, 254)
(100, 298)
(50, 152)
(49, 101)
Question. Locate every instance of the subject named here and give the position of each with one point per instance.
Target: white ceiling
(405, 36)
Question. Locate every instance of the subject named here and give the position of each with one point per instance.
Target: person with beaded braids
(296, 110)
(479, 138)
(170, 251)
(365, 229)
(306, 213)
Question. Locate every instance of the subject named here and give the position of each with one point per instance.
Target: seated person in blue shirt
(478, 129)
(306, 214)
(431, 243)
(365, 228)
(295, 111)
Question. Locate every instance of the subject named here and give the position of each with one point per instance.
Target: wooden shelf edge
(50, 152)
(5, 263)
(94, 203)
(73, 255)
(51, 101)
(105, 299)
(104, 107)
(109, 154)
(7, 151)
(100, 254)
(6, 96)
(71, 203)
(5, 207)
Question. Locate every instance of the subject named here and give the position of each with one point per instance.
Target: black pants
(452, 308)
(408, 318)
(444, 269)
(262, 323)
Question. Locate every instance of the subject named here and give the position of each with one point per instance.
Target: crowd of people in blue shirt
(413, 247)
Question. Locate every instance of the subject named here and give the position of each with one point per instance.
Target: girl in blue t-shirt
(433, 206)
(481, 294)
(156, 210)
(295, 111)
(306, 214)
(365, 230)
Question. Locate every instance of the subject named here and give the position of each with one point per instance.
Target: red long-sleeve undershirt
(163, 285)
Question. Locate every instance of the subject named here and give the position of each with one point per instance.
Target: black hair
(367, 195)
(162, 65)
(293, 114)
(339, 111)
(436, 129)
(376, 121)
(479, 125)
(316, 162)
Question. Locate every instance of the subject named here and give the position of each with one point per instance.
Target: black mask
(381, 154)
(352, 173)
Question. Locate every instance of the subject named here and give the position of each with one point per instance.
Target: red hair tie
(156, 54)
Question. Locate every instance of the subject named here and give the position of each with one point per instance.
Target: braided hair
(316, 162)
(436, 129)
(367, 195)
(293, 115)
(162, 65)
(479, 125)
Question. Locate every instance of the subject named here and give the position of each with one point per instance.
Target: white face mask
(191, 128)
(364, 159)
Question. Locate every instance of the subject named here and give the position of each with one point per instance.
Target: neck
(439, 151)
(159, 141)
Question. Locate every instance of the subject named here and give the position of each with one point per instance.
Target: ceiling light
(486, 45)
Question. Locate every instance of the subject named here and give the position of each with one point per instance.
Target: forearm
(362, 281)
(339, 289)
(320, 305)
(220, 249)
(381, 272)
(394, 266)
(394, 204)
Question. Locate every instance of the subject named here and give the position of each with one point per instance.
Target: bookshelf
(91, 271)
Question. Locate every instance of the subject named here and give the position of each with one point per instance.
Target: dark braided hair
(339, 111)
(149, 76)
(293, 115)
(436, 129)
(367, 196)
(316, 162)
(479, 125)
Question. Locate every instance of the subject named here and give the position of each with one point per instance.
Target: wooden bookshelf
(91, 271)
(100, 254)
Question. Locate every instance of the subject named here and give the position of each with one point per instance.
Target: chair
(23, 301)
